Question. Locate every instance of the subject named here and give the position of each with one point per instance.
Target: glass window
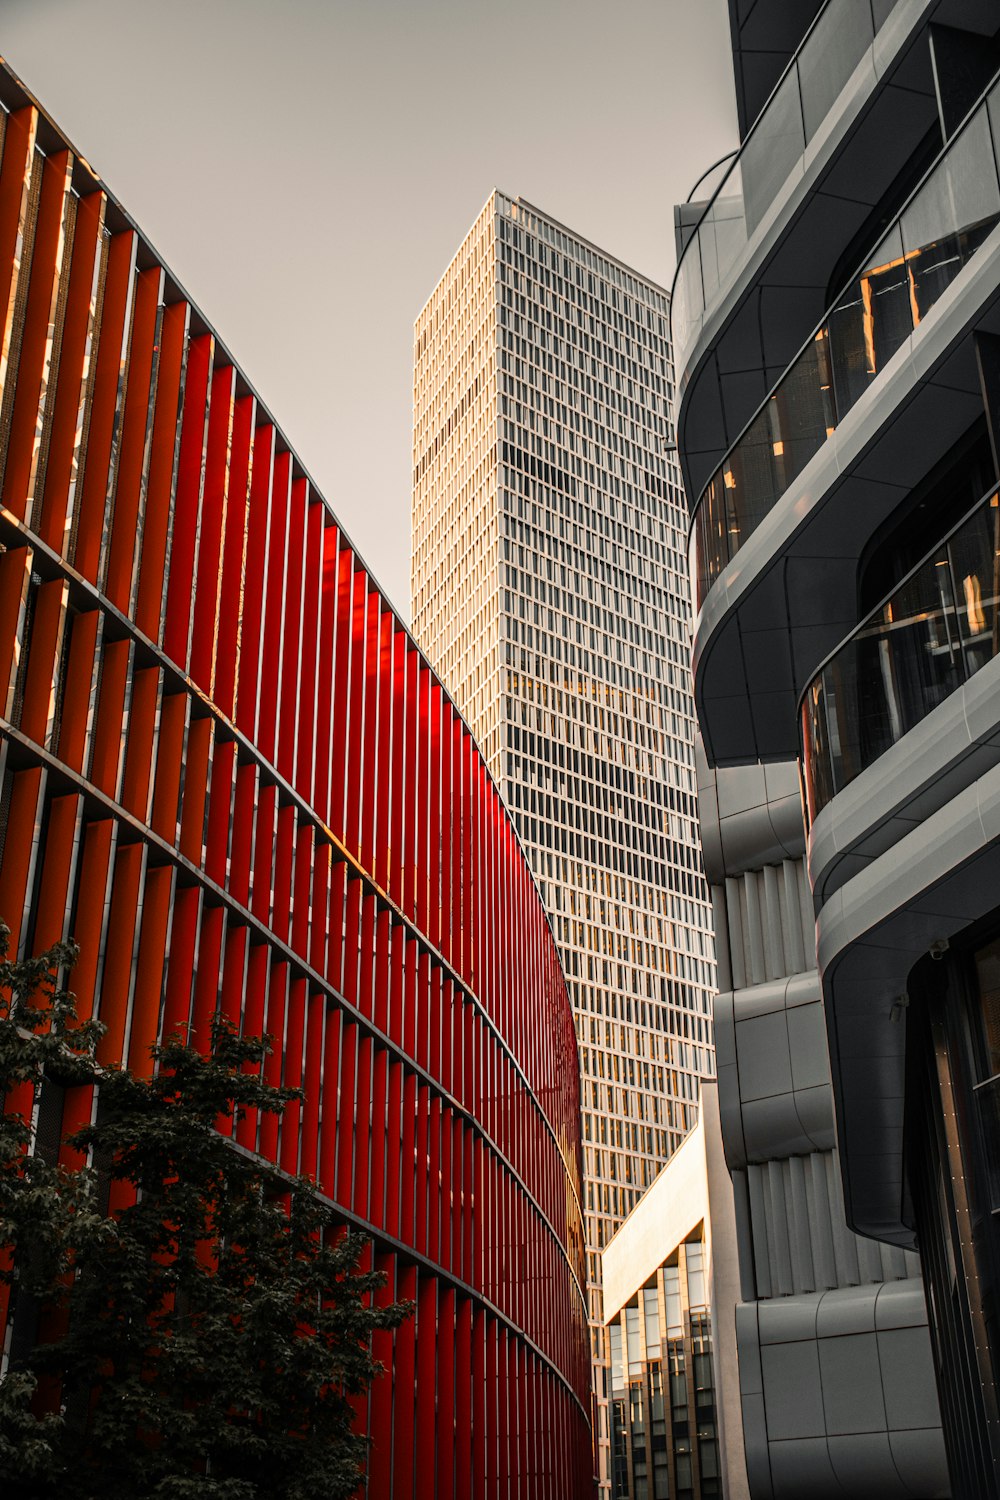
(887, 309)
(652, 1317)
(632, 1336)
(751, 481)
(919, 654)
(685, 1478)
(656, 1398)
(619, 1450)
(951, 215)
(678, 1384)
(694, 1253)
(988, 980)
(974, 552)
(615, 1338)
(940, 626)
(852, 359)
(672, 1300)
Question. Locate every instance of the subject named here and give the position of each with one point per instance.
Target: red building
(230, 775)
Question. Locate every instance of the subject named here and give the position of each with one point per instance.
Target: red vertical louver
(231, 777)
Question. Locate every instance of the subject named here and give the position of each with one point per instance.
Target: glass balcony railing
(934, 632)
(942, 226)
(771, 153)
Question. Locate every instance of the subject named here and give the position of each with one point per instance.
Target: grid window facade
(549, 590)
(664, 1432)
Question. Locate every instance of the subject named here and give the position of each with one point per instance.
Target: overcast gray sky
(307, 168)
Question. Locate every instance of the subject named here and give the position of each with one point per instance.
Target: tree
(204, 1336)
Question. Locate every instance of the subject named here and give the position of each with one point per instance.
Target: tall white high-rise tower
(549, 591)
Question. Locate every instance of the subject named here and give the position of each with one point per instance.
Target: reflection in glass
(632, 1339)
(988, 982)
(672, 1300)
(829, 53)
(988, 1104)
(937, 628)
(617, 1372)
(772, 149)
(694, 1255)
(941, 229)
(652, 1317)
(619, 1450)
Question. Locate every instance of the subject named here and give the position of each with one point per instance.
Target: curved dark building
(837, 328)
(231, 776)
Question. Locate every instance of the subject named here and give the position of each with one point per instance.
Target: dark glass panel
(975, 565)
(852, 371)
(939, 627)
(751, 480)
(801, 411)
(710, 539)
(818, 760)
(882, 10)
(951, 215)
(918, 655)
(886, 307)
(988, 981)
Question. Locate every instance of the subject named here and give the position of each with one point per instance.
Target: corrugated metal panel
(770, 923)
(800, 1238)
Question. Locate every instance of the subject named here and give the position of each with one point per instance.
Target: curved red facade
(231, 776)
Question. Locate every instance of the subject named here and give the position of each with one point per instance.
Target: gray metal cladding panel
(808, 1046)
(910, 1400)
(865, 1466)
(793, 1392)
(849, 1403)
(852, 1384)
(764, 1059)
(774, 1071)
(918, 1457)
(802, 1468)
(757, 808)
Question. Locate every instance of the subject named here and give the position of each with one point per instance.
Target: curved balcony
(939, 230)
(938, 628)
(770, 155)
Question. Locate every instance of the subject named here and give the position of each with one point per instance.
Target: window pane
(773, 150)
(836, 45)
(975, 565)
(672, 1299)
(694, 1253)
(652, 1316)
(951, 215)
(632, 1335)
(988, 977)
